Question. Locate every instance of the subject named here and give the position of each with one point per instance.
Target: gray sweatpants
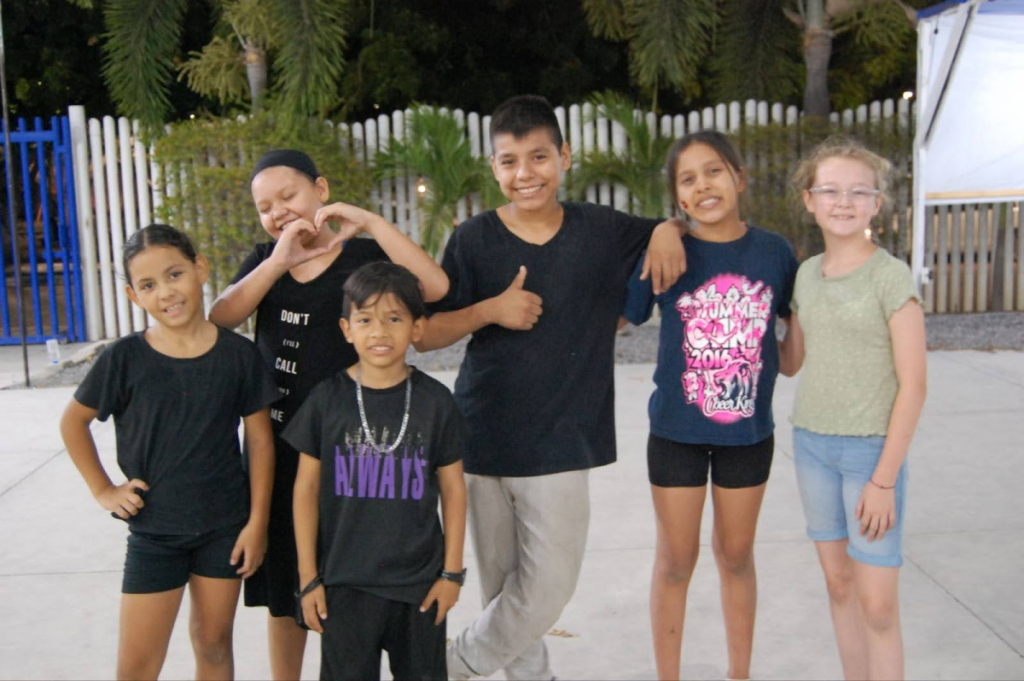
(529, 535)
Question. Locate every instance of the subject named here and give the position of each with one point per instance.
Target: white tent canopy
(969, 145)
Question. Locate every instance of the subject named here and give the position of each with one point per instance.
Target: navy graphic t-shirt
(717, 353)
(379, 528)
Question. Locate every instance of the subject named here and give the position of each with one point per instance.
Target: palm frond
(606, 18)
(668, 41)
(252, 19)
(639, 167)
(218, 71)
(757, 53)
(436, 150)
(138, 49)
(310, 59)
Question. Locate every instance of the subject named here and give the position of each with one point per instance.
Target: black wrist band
(316, 581)
(457, 577)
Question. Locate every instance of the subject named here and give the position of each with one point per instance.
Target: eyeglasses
(858, 195)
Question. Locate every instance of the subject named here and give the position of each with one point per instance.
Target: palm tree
(639, 168)
(143, 36)
(754, 44)
(436, 150)
(880, 26)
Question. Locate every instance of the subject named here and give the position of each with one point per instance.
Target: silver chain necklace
(366, 426)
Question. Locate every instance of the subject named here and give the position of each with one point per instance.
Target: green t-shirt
(848, 382)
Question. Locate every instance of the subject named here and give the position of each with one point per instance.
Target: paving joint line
(963, 605)
(32, 472)
(987, 371)
(55, 574)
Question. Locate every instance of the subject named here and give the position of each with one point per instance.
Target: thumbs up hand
(516, 308)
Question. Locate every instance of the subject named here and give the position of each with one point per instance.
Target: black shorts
(275, 583)
(360, 625)
(163, 562)
(677, 464)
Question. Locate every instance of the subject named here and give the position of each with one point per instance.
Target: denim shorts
(832, 471)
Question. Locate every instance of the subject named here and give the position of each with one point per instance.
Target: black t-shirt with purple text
(379, 529)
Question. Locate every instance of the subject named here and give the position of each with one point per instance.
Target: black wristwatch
(457, 577)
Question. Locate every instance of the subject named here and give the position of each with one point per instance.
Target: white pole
(131, 224)
(142, 178)
(384, 143)
(398, 132)
(473, 126)
(102, 230)
(86, 224)
(124, 323)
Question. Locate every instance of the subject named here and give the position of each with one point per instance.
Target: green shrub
(205, 168)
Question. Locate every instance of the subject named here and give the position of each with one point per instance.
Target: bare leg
(846, 613)
(878, 593)
(287, 642)
(678, 511)
(146, 624)
(736, 512)
(212, 621)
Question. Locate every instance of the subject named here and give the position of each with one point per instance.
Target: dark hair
(155, 235)
(712, 138)
(378, 279)
(290, 158)
(522, 115)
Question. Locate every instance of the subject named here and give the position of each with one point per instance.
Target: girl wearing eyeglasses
(857, 329)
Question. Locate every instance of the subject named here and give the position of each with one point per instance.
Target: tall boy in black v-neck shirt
(540, 286)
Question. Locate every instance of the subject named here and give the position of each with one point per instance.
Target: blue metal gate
(45, 232)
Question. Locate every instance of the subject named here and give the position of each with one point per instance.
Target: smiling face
(168, 285)
(283, 195)
(529, 168)
(707, 187)
(381, 331)
(844, 202)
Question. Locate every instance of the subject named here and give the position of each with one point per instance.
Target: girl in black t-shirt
(176, 392)
(294, 285)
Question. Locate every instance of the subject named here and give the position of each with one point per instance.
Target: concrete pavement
(962, 608)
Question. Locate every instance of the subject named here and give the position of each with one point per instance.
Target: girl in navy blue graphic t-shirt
(711, 408)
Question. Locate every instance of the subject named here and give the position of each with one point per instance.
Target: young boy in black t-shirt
(380, 442)
(540, 286)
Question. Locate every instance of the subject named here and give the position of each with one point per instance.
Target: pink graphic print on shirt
(724, 323)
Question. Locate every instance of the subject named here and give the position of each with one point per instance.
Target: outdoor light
(192, 116)
(908, 94)
(421, 186)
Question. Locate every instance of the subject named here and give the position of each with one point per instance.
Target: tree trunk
(256, 72)
(817, 53)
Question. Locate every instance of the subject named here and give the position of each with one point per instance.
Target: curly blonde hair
(843, 147)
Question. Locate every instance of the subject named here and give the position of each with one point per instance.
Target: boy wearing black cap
(294, 285)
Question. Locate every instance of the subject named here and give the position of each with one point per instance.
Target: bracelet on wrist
(314, 583)
(872, 481)
(456, 577)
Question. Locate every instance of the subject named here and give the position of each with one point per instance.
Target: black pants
(360, 625)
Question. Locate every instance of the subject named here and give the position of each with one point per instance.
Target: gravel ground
(638, 345)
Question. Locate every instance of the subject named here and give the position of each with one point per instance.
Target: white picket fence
(118, 181)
